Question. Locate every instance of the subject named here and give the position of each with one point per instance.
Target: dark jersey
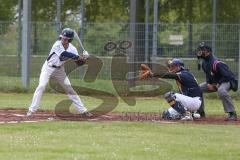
(207, 67)
(185, 80)
(216, 71)
(221, 73)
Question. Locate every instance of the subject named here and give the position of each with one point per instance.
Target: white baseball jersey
(53, 68)
(56, 51)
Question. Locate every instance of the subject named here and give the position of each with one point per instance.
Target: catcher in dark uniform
(185, 104)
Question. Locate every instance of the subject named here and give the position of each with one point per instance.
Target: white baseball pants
(60, 76)
(192, 104)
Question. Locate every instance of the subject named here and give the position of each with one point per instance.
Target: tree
(8, 10)
(228, 11)
(107, 10)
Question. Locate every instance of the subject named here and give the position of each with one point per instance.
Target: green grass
(14, 85)
(62, 140)
(143, 104)
(118, 140)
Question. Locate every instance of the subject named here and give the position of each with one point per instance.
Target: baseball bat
(78, 39)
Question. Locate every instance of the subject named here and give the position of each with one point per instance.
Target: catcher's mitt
(145, 72)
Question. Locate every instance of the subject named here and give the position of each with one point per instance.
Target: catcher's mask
(67, 33)
(203, 50)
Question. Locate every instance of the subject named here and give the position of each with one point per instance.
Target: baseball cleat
(87, 114)
(232, 116)
(187, 117)
(196, 116)
(29, 114)
(202, 114)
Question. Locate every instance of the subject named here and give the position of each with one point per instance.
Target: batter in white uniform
(62, 50)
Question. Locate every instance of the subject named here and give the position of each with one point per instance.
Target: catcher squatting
(184, 105)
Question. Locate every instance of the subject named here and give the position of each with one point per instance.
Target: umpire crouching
(218, 78)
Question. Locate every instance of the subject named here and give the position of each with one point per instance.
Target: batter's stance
(62, 50)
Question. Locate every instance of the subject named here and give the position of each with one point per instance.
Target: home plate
(50, 118)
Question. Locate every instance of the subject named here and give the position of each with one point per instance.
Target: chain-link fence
(173, 40)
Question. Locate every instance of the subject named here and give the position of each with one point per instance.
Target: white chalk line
(25, 121)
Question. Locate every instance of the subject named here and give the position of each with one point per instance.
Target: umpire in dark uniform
(218, 77)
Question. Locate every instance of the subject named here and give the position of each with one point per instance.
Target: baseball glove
(145, 72)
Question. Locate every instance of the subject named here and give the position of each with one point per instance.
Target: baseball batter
(62, 50)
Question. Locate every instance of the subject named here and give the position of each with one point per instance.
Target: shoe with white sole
(187, 117)
(29, 114)
(196, 116)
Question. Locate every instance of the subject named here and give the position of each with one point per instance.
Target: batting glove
(85, 54)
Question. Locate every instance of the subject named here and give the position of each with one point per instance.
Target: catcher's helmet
(204, 47)
(67, 33)
(177, 62)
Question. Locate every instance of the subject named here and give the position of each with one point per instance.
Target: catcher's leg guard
(171, 114)
(166, 115)
(179, 107)
(171, 99)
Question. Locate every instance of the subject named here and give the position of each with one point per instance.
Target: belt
(56, 66)
(53, 66)
(50, 64)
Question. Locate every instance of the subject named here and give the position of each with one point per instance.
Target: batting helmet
(67, 33)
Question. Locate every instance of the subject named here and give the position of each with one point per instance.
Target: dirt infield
(18, 116)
